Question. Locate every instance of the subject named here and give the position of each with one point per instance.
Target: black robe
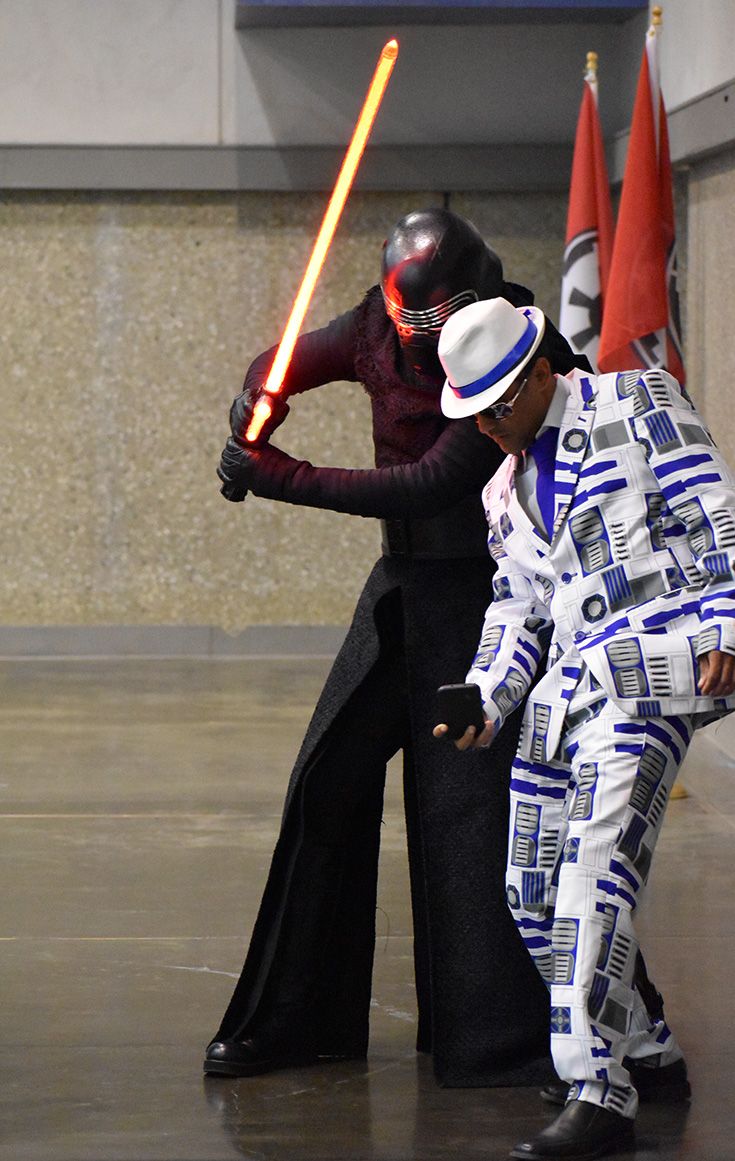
(483, 1009)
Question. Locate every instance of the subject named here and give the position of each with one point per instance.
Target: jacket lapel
(518, 515)
(574, 436)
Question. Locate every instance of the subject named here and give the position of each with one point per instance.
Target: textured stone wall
(126, 323)
(711, 296)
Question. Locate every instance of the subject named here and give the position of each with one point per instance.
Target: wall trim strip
(27, 641)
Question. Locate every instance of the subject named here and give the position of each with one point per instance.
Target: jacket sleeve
(458, 464)
(322, 356)
(515, 637)
(699, 491)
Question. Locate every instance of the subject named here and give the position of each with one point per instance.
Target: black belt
(454, 534)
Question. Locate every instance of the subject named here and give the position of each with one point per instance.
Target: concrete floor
(139, 803)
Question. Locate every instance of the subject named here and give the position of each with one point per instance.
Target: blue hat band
(511, 360)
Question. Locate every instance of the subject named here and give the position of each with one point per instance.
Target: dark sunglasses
(500, 411)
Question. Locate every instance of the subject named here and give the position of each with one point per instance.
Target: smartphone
(460, 706)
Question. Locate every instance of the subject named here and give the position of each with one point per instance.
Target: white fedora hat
(483, 347)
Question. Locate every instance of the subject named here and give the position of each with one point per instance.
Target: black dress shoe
(253, 1057)
(555, 1092)
(581, 1132)
(256, 1056)
(659, 1082)
(664, 1084)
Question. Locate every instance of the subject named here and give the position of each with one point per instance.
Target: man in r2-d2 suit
(612, 521)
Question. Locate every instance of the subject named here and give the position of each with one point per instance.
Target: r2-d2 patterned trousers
(583, 828)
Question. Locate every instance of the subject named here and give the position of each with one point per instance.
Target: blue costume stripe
(610, 486)
(672, 491)
(716, 609)
(663, 618)
(629, 899)
(682, 728)
(534, 652)
(682, 609)
(541, 941)
(533, 791)
(690, 606)
(661, 429)
(648, 709)
(712, 613)
(611, 888)
(520, 786)
(692, 461)
(598, 991)
(711, 478)
(618, 869)
(597, 469)
(617, 584)
(613, 630)
(664, 736)
(717, 565)
(539, 768)
(533, 886)
(545, 923)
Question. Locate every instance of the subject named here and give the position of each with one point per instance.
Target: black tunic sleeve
(458, 465)
(323, 356)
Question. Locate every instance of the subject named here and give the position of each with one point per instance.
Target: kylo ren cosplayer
(304, 992)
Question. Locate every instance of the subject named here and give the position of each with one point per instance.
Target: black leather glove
(242, 409)
(234, 471)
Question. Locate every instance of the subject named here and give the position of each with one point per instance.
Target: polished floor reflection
(139, 804)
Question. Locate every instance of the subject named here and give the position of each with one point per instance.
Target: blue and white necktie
(543, 451)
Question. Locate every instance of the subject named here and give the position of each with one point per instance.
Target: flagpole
(590, 228)
(652, 51)
(590, 74)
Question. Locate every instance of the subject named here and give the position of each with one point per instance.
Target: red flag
(640, 326)
(590, 229)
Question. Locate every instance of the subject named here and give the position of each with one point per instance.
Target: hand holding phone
(460, 706)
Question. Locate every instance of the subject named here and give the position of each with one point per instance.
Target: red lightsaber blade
(355, 151)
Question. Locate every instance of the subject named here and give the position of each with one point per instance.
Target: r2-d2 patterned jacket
(639, 577)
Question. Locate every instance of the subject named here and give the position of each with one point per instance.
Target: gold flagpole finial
(591, 64)
(656, 16)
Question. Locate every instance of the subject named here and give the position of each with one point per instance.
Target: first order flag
(640, 325)
(590, 229)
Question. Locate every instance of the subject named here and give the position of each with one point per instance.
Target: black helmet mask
(434, 263)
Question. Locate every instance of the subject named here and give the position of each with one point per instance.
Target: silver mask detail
(409, 322)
